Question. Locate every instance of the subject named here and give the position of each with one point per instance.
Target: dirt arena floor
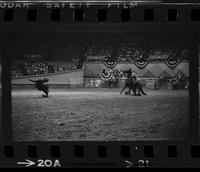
(99, 115)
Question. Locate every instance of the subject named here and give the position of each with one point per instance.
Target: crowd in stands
(38, 68)
(128, 48)
(114, 47)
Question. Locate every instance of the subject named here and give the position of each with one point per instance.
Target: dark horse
(133, 85)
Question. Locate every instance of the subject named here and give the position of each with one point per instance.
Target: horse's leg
(133, 88)
(129, 91)
(123, 89)
(138, 88)
(142, 91)
(139, 94)
(130, 88)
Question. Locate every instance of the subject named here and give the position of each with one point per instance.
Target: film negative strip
(99, 84)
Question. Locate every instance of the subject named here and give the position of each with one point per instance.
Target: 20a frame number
(48, 163)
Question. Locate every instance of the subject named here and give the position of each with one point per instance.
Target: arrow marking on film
(129, 164)
(28, 163)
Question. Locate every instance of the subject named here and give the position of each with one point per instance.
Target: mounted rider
(132, 83)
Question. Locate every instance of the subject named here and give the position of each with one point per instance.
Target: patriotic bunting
(141, 63)
(75, 60)
(106, 75)
(172, 61)
(110, 64)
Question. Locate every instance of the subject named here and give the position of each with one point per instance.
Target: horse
(134, 85)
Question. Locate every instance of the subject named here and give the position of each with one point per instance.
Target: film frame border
(88, 160)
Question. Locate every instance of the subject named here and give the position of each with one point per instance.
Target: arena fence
(69, 78)
(89, 77)
(149, 83)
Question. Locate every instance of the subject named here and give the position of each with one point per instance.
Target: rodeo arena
(100, 87)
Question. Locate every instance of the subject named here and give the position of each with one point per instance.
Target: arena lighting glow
(99, 84)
